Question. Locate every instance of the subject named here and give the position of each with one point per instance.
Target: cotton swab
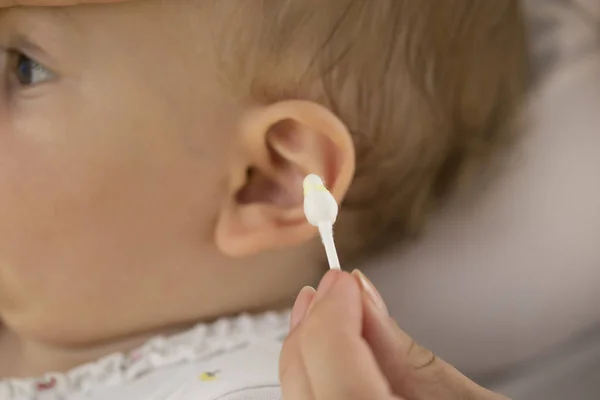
(321, 211)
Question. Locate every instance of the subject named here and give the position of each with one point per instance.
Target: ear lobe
(281, 144)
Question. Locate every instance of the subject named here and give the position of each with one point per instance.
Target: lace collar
(199, 343)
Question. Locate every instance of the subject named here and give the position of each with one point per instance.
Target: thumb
(412, 371)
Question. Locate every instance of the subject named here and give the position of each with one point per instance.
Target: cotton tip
(321, 211)
(319, 204)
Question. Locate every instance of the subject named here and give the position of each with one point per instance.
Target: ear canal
(261, 188)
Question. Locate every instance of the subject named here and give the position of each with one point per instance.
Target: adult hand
(343, 346)
(53, 3)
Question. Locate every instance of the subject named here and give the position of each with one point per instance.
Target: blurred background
(507, 287)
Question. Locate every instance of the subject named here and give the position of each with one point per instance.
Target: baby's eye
(29, 72)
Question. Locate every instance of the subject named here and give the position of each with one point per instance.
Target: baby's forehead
(112, 22)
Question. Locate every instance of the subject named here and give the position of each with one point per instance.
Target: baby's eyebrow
(61, 18)
(57, 12)
(40, 30)
(53, 3)
(63, 14)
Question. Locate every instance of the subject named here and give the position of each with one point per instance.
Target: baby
(153, 154)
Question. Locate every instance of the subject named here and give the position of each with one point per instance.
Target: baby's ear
(278, 146)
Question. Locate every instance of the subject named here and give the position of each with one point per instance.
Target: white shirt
(231, 359)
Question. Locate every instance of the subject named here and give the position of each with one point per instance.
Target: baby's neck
(21, 358)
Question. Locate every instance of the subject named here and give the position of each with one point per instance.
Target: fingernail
(300, 309)
(368, 287)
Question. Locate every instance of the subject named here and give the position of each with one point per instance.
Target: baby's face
(114, 136)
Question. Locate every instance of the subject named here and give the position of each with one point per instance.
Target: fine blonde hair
(424, 86)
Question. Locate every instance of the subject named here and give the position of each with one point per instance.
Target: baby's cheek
(62, 219)
(86, 227)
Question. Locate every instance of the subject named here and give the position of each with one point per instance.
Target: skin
(124, 185)
(344, 346)
(138, 213)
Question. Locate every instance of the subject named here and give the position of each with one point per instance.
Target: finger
(413, 371)
(292, 372)
(303, 302)
(339, 363)
(53, 3)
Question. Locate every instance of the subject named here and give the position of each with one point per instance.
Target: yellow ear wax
(312, 183)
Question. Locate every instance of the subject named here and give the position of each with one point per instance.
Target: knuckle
(419, 357)
(427, 373)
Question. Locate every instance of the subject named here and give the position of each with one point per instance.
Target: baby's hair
(425, 87)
